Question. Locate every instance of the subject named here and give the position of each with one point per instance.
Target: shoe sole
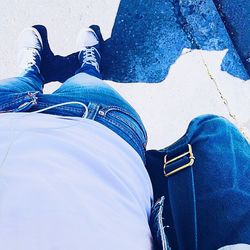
(36, 33)
(83, 30)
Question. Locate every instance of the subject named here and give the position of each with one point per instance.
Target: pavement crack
(224, 99)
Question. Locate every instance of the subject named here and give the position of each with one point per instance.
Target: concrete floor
(166, 76)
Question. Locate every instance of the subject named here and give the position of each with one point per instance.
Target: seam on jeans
(160, 222)
(122, 128)
(9, 104)
(111, 108)
(157, 225)
(117, 108)
(134, 138)
(135, 141)
(128, 123)
(195, 210)
(17, 99)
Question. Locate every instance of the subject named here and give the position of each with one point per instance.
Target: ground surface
(173, 60)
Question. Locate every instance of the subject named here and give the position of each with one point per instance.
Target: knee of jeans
(219, 149)
(210, 125)
(221, 174)
(212, 139)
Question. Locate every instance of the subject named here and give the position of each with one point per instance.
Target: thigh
(19, 93)
(104, 105)
(89, 88)
(28, 81)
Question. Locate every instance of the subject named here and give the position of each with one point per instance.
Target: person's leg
(210, 200)
(105, 105)
(30, 81)
(29, 60)
(87, 83)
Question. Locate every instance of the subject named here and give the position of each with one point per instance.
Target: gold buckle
(190, 163)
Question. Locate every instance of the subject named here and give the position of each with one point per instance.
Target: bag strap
(178, 169)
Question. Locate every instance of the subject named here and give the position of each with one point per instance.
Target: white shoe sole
(79, 36)
(36, 32)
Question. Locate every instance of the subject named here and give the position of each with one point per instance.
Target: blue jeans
(105, 105)
(207, 205)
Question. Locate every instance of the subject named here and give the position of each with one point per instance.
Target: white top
(70, 183)
(236, 247)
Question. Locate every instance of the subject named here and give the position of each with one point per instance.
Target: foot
(29, 47)
(89, 47)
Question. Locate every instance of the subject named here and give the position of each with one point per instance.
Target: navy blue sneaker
(89, 56)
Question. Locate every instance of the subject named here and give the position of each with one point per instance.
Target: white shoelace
(89, 57)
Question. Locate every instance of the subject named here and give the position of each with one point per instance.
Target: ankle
(90, 70)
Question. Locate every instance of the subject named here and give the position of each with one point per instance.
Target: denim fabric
(220, 181)
(157, 226)
(105, 105)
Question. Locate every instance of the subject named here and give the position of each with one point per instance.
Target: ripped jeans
(104, 104)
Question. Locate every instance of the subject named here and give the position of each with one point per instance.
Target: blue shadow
(236, 18)
(148, 37)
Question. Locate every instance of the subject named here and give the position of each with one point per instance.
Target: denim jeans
(207, 205)
(105, 105)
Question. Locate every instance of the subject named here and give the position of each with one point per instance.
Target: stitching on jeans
(128, 123)
(61, 107)
(120, 126)
(9, 104)
(122, 119)
(18, 97)
(139, 146)
(160, 222)
(195, 210)
(111, 108)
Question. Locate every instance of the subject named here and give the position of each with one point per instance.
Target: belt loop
(92, 110)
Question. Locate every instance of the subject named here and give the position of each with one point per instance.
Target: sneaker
(88, 44)
(29, 47)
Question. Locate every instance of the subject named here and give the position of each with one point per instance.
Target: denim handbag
(205, 178)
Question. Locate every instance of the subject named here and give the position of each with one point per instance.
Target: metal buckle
(190, 163)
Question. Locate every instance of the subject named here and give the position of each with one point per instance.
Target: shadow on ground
(236, 17)
(56, 67)
(147, 38)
